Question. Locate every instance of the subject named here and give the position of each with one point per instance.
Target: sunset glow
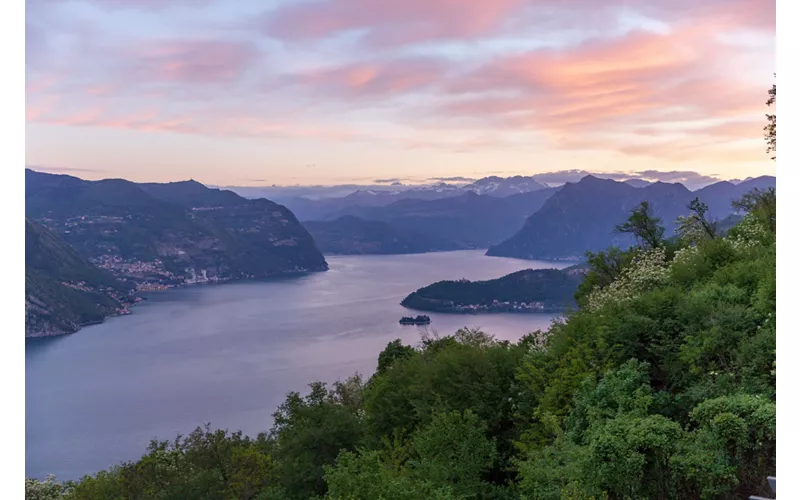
(350, 91)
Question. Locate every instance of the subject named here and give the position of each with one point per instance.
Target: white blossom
(648, 270)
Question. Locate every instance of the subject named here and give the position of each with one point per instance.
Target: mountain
(461, 222)
(718, 196)
(637, 183)
(502, 187)
(166, 234)
(329, 208)
(349, 235)
(62, 290)
(530, 290)
(581, 216)
(191, 194)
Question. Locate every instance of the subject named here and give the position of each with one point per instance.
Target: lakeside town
(502, 306)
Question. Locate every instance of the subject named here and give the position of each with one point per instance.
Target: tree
(309, 432)
(644, 226)
(604, 268)
(453, 450)
(48, 489)
(762, 204)
(395, 350)
(770, 128)
(696, 226)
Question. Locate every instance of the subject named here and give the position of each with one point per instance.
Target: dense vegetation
(551, 289)
(62, 290)
(662, 385)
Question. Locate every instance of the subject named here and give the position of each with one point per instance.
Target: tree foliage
(770, 129)
(696, 226)
(644, 226)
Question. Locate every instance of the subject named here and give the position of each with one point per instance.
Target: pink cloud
(393, 22)
(132, 4)
(389, 21)
(370, 79)
(217, 123)
(638, 79)
(193, 61)
(41, 108)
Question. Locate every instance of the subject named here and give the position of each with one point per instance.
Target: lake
(228, 354)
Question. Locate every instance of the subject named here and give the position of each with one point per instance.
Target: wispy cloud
(453, 179)
(63, 170)
(692, 180)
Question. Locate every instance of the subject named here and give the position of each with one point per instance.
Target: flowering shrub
(748, 234)
(648, 270)
(685, 255)
(690, 230)
(48, 489)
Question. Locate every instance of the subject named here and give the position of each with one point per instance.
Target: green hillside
(532, 290)
(171, 233)
(62, 290)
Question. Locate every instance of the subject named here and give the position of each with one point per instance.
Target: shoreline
(487, 312)
(127, 309)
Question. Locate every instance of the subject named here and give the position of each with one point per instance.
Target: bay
(228, 354)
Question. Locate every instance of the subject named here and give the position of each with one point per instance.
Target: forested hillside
(661, 386)
(62, 290)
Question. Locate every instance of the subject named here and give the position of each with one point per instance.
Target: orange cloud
(627, 86)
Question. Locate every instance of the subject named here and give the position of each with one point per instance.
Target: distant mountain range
(349, 235)
(500, 186)
(157, 235)
(306, 208)
(467, 221)
(581, 216)
(542, 223)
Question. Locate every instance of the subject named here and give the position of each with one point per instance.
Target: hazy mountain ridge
(582, 216)
(166, 234)
(351, 235)
(467, 221)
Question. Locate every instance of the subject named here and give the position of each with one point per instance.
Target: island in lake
(529, 290)
(419, 320)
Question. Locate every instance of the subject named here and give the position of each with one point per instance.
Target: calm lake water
(228, 354)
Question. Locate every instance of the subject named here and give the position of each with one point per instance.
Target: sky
(324, 92)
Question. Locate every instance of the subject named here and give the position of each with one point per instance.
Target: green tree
(612, 445)
(761, 204)
(454, 450)
(604, 268)
(732, 450)
(696, 226)
(309, 432)
(364, 476)
(770, 129)
(394, 350)
(644, 226)
(250, 471)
